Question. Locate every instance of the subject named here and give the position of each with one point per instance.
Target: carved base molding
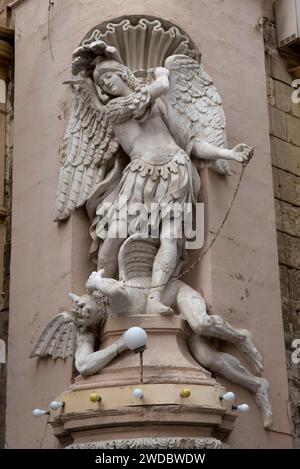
(153, 443)
(162, 412)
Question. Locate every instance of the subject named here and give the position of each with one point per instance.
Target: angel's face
(113, 84)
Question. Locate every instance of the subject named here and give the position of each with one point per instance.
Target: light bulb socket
(140, 349)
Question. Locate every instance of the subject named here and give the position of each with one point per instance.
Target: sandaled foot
(155, 306)
(262, 400)
(248, 348)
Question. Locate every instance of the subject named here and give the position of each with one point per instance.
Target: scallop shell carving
(143, 43)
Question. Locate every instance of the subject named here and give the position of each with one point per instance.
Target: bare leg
(87, 361)
(109, 250)
(163, 267)
(231, 368)
(192, 306)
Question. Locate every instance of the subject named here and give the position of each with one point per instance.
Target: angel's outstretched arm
(206, 151)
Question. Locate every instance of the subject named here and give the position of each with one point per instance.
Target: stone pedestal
(162, 418)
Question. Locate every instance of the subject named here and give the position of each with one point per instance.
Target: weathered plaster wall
(242, 281)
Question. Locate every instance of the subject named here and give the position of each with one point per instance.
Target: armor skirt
(146, 194)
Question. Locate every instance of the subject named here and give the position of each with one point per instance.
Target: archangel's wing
(194, 107)
(57, 339)
(88, 144)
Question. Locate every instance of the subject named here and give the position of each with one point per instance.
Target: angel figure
(162, 126)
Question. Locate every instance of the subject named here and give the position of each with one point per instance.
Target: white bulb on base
(228, 396)
(244, 408)
(56, 405)
(39, 412)
(135, 339)
(138, 393)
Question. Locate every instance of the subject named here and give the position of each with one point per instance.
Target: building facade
(239, 275)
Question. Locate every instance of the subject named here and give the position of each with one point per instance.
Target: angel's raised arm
(160, 85)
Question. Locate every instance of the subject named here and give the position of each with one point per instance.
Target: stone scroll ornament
(141, 140)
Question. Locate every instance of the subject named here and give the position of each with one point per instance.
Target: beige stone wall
(239, 277)
(285, 144)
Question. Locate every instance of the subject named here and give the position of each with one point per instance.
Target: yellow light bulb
(94, 397)
(185, 392)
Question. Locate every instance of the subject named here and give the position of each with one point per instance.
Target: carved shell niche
(143, 42)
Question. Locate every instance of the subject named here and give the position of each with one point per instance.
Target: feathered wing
(57, 339)
(194, 107)
(88, 144)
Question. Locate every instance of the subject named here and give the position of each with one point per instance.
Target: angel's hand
(161, 72)
(242, 153)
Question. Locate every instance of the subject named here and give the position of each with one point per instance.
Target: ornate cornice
(153, 443)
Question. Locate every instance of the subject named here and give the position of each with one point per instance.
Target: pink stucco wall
(240, 273)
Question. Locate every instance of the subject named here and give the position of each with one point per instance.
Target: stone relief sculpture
(158, 126)
(136, 139)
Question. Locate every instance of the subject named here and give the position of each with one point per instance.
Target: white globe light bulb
(135, 339)
(39, 412)
(243, 408)
(55, 405)
(229, 396)
(138, 393)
